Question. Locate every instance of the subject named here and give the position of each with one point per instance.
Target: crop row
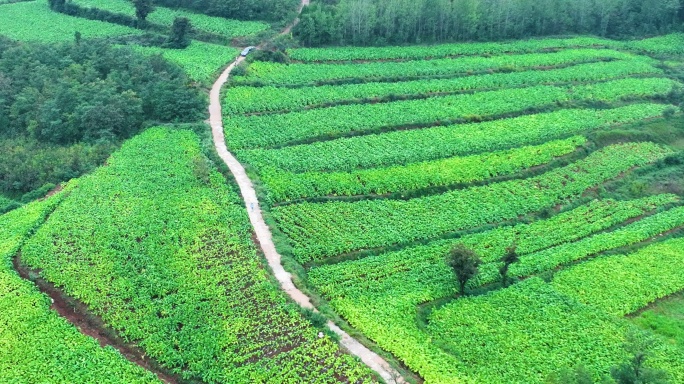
(622, 284)
(668, 44)
(321, 230)
(529, 331)
(164, 16)
(34, 21)
(268, 99)
(37, 343)
(672, 44)
(159, 247)
(551, 258)
(412, 146)
(379, 295)
(244, 132)
(440, 50)
(201, 61)
(283, 186)
(269, 73)
(598, 215)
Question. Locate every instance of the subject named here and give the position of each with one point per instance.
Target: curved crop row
(379, 295)
(440, 50)
(529, 331)
(283, 186)
(551, 258)
(201, 61)
(622, 284)
(36, 341)
(321, 230)
(272, 130)
(34, 21)
(269, 73)
(164, 16)
(159, 247)
(490, 245)
(269, 99)
(412, 146)
(672, 44)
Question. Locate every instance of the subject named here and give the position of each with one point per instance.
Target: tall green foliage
(381, 22)
(63, 108)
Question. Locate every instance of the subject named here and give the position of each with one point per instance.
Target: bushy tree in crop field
(179, 33)
(465, 263)
(142, 9)
(635, 370)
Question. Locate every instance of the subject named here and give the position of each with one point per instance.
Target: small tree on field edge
(57, 5)
(142, 9)
(465, 263)
(179, 34)
(510, 257)
(639, 345)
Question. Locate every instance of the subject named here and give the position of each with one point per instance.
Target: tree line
(268, 10)
(179, 35)
(65, 108)
(383, 22)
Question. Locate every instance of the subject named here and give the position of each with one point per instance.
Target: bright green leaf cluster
(412, 146)
(283, 186)
(36, 344)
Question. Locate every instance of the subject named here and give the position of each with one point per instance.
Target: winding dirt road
(263, 233)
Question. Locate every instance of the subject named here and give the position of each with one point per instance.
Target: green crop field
(162, 252)
(35, 340)
(375, 162)
(557, 161)
(34, 21)
(201, 61)
(164, 16)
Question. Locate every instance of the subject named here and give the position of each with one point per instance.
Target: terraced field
(158, 245)
(164, 17)
(35, 339)
(374, 163)
(201, 61)
(34, 21)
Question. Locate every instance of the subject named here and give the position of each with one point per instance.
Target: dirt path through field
(263, 233)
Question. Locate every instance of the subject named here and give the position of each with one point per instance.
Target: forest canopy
(270, 10)
(381, 22)
(64, 108)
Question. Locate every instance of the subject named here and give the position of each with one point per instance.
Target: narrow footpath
(263, 233)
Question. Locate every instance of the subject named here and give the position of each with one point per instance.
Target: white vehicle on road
(246, 51)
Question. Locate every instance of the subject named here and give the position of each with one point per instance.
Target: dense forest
(64, 108)
(271, 10)
(381, 22)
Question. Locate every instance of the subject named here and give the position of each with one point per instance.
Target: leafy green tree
(579, 375)
(179, 33)
(465, 263)
(142, 9)
(57, 5)
(639, 345)
(510, 257)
